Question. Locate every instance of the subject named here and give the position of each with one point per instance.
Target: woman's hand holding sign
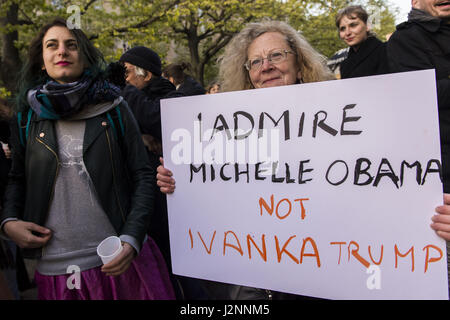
(164, 179)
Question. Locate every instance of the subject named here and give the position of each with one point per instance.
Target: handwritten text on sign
(306, 188)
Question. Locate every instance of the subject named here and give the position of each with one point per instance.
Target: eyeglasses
(274, 57)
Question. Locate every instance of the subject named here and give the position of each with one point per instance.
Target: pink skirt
(146, 279)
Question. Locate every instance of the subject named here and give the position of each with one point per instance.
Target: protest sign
(322, 189)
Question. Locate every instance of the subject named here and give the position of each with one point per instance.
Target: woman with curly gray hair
(276, 43)
(264, 54)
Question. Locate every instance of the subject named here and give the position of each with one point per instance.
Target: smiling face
(61, 55)
(270, 74)
(353, 31)
(437, 8)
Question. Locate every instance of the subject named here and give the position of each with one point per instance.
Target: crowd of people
(86, 156)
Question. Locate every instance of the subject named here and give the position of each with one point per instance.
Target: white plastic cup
(109, 248)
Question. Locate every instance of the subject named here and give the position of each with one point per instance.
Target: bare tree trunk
(193, 44)
(10, 60)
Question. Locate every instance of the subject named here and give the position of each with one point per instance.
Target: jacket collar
(364, 50)
(158, 87)
(425, 20)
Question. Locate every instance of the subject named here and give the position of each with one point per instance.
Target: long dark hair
(32, 74)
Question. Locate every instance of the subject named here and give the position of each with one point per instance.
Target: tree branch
(25, 22)
(139, 25)
(86, 7)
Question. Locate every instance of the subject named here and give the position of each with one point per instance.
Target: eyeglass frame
(247, 64)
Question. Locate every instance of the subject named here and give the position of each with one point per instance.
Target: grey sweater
(77, 221)
(76, 218)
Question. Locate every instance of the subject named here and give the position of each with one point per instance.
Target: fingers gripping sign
(441, 221)
(164, 178)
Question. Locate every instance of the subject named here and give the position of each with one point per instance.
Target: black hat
(144, 58)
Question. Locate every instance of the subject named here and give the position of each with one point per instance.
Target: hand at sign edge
(441, 221)
(164, 178)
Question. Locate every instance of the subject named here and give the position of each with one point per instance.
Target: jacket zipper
(114, 176)
(54, 181)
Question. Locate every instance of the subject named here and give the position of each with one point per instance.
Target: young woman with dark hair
(78, 176)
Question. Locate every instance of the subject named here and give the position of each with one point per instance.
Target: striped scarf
(55, 101)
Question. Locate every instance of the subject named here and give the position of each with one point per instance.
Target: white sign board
(322, 189)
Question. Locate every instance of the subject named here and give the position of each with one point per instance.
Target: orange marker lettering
(289, 211)
(355, 253)
(340, 246)
(210, 244)
(280, 252)
(263, 252)
(397, 253)
(381, 255)
(315, 254)
(192, 240)
(303, 212)
(427, 255)
(225, 244)
(263, 203)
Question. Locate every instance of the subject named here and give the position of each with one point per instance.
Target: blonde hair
(234, 76)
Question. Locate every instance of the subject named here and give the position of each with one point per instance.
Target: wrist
(3, 232)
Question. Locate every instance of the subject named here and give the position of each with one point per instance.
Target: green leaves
(195, 30)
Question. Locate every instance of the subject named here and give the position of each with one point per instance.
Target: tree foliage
(195, 30)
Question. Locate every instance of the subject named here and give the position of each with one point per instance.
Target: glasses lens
(273, 57)
(276, 56)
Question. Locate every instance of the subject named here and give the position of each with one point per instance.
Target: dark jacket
(190, 87)
(145, 103)
(421, 45)
(119, 170)
(370, 59)
(5, 164)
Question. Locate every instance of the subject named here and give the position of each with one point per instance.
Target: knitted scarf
(55, 101)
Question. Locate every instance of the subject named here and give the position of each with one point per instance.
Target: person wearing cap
(144, 89)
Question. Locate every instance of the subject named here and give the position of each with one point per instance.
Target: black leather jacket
(118, 167)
